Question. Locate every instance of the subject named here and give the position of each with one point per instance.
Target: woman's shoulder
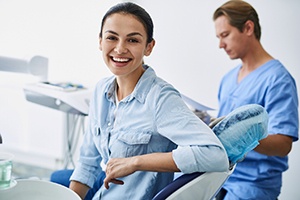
(156, 82)
(106, 81)
(103, 85)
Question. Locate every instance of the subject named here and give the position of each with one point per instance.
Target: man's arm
(275, 145)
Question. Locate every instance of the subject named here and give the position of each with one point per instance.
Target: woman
(139, 127)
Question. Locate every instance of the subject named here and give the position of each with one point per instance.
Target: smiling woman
(137, 120)
(123, 45)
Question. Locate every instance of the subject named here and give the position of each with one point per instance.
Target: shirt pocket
(132, 143)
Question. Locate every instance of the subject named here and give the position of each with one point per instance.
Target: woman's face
(124, 44)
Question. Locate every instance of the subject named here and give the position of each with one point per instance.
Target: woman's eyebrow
(112, 32)
(133, 34)
(128, 35)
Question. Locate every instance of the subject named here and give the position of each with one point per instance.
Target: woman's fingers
(116, 168)
(115, 181)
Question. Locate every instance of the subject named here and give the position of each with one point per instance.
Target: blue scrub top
(271, 86)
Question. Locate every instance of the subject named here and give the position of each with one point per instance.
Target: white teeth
(120, 59)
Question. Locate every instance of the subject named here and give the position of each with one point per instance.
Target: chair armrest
(176, 184)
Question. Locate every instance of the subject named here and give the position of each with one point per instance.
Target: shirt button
(109, 124)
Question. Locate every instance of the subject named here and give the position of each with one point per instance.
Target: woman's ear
(100, 43)
(149, 48)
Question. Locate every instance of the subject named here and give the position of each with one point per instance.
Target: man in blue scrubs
(259, 79)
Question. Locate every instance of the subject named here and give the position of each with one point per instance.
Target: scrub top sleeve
(282, 107)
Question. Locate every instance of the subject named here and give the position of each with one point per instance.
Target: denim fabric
(153, 118)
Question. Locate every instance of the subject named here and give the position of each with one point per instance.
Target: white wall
(186, 53)
(64, 31)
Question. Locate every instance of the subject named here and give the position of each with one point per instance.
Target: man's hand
(214, 121)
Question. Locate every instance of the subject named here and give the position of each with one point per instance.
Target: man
(259, 79)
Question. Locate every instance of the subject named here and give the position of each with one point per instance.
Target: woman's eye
(111, 38)
(133, 40)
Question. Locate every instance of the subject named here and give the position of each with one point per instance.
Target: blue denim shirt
(153, 118)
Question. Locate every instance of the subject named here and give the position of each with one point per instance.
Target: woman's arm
(79, 188)
(119, 167)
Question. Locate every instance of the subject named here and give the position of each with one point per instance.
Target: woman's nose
(121, 48)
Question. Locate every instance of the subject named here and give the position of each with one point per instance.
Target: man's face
(231, 39)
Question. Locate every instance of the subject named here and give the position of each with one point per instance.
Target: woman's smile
(120, 60)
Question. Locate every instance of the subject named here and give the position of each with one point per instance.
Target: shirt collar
(140, 91)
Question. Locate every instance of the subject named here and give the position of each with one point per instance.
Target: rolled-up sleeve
(198, 149)
(191, 159)
(88, 167)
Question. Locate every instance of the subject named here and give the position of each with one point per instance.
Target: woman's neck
(126, 84)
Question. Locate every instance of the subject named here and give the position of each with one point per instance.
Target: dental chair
(198, 185)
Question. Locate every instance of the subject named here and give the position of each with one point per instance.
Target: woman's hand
(155, 162)
(116, 168)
